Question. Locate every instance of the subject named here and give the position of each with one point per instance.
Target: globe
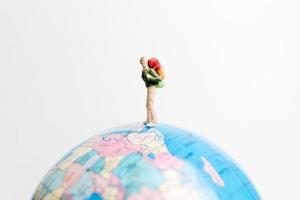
(140, 162)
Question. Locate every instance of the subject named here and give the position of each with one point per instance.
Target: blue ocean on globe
(140, 162)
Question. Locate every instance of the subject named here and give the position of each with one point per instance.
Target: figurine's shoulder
(151, 71)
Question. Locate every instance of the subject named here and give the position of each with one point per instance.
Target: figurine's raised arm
(149, 75)
(153, 77)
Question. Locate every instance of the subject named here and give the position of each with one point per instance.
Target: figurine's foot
(146, 122)
(150, 124)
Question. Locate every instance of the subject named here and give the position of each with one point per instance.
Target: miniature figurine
(153, 76)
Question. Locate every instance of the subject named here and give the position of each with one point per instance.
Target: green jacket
(151, 78)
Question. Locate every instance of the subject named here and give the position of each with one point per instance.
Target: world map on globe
(137, 162)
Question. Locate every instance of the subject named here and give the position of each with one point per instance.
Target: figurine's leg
(150, 104)
(148, 120)
(148, 114)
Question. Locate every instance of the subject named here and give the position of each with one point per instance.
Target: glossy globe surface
(138, 162)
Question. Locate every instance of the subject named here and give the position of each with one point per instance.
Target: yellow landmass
(55, 195)
(111, 193)
(77, 153)
(110, 164)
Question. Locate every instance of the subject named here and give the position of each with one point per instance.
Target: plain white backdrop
(69, 69)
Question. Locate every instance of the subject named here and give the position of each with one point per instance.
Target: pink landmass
(115, 181)
(101, 184)
(72, 175)
(208, 168)
(166, 161)
(115, 145)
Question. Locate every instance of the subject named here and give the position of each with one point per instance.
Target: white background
(69, 69)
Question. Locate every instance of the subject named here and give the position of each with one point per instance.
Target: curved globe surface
(137, 162)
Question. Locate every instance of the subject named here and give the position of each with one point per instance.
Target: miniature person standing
(153, 76)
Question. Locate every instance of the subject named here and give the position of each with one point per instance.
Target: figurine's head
(144, 62)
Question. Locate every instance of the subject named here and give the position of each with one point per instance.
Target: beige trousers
(151, 116)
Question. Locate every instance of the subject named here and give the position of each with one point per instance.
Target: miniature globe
(138, 162)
